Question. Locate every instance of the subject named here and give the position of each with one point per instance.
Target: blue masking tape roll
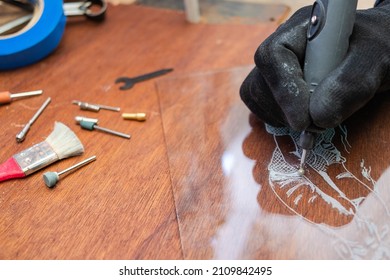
(37, 40)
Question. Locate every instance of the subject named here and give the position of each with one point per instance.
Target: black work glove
(276, 92)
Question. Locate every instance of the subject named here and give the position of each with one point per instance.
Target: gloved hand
(276, 92)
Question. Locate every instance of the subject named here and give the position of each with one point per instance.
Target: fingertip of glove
(299, 125)
(324, 119)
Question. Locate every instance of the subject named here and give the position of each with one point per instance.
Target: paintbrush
(61, 143)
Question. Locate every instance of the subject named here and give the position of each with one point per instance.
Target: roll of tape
(38, 39)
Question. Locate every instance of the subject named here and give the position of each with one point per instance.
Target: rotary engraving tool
(330, 27)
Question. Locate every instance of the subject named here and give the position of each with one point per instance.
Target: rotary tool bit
(52, 178)
(306, 142)
(91, 124)
(22, 134)
(7, 97)
(94, 107)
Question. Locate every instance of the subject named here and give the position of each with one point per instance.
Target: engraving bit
(52, 178)
(306, 142)
(94, 107)
(7, 97)
(92, 125)
(22, 134)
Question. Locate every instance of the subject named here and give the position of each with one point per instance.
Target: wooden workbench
(122, 205)
(193, 181)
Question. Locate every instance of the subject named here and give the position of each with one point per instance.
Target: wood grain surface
(198, 179)
(122, 205)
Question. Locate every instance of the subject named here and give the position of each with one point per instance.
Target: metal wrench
(130, 82)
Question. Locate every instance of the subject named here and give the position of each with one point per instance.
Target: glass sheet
(235, 190)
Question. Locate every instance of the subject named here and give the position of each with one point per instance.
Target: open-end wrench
(130, 82)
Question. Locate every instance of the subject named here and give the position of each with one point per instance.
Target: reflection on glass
(235, 190)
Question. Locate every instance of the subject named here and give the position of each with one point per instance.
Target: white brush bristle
(64, 141)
